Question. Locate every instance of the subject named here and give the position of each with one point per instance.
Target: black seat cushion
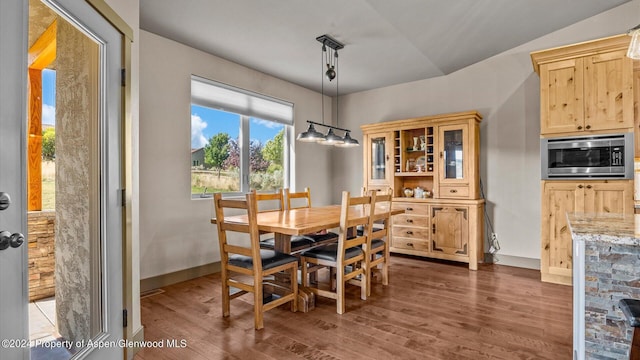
(376, 243)
(631, 310)
(322, 237)
(296, 242)
(270, 259)
(330, 252)
(360, 229)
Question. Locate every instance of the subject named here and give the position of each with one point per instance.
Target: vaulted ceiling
(386, 41)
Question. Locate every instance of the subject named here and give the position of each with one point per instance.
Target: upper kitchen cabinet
(585, 87)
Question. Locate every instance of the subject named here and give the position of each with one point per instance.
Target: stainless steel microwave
(588, 157)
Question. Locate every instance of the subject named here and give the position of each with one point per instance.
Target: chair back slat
(233, 249)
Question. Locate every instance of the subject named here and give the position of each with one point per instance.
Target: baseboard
(178, 276)
(516, 261)
(137, 338)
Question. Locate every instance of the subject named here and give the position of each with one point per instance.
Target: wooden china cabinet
(436, 157)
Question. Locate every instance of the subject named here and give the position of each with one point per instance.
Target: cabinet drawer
(411, 220)
(459, 191)
(411, 208)
(412, 244)
(411, 232)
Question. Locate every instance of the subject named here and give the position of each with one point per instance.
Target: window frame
(244, 139)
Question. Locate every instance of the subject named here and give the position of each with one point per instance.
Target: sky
(206, 122)
(48, 97)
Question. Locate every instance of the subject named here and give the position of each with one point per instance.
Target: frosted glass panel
(378, 166)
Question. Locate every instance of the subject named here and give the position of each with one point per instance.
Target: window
(238, 139)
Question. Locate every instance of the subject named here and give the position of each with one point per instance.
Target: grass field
(48, 185)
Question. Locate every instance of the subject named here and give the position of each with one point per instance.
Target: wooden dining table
(286, 223)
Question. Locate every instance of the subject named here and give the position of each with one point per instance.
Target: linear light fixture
(330, 58)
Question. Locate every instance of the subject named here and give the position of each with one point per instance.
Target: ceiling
(386, 41)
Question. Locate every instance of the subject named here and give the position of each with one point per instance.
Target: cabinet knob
(409, 232)
(453, 191)
(588, 186)
(409, 209)
(580, 186)
(410, 221)
(588, 127)
(580, 127)
(410, 244)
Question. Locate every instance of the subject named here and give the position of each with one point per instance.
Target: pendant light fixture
(329, 58)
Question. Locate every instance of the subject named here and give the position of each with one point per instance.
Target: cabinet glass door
(378, 158)
(452, 144)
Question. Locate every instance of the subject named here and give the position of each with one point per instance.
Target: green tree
(217, 151)
(273, 151)
(49, 144)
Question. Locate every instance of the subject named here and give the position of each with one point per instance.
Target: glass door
(453, 140)
(87, 52)
(379, 149)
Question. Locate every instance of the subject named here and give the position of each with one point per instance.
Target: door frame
(129, 291)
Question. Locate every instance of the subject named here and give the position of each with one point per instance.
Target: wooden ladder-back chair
(297, 242)
(251, 260)
(377, 249)
(346, 256)
(272, 198)
(302, 199)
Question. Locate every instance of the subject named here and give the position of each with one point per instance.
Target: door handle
(7, 239)
(5, 201)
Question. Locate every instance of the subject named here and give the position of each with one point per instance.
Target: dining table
(286, 223)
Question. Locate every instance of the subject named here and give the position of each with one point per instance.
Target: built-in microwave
(588, 157)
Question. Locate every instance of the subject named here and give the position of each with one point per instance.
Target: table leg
(306, 299)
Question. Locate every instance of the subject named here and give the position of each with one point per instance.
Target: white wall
(505, 90)
(175, 231)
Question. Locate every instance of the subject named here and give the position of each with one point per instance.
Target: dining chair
(251, 261)
(377, 252)
(302, 199)
(346, 256)
(381, 190)
(297, 242)
(269, 201)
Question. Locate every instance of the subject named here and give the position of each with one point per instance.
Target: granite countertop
(616, 229)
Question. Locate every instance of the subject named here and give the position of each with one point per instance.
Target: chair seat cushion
(296, 242)
(270, 259)
(377, 243)
(322, 237)
(360, 229)
(330, 252)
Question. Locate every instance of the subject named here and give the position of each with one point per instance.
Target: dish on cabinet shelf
(421, 161)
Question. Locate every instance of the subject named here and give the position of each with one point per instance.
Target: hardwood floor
(430, 310)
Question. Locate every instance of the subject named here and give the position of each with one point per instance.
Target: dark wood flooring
(430, 310)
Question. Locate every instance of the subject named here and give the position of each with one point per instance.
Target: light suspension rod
(329, 126)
